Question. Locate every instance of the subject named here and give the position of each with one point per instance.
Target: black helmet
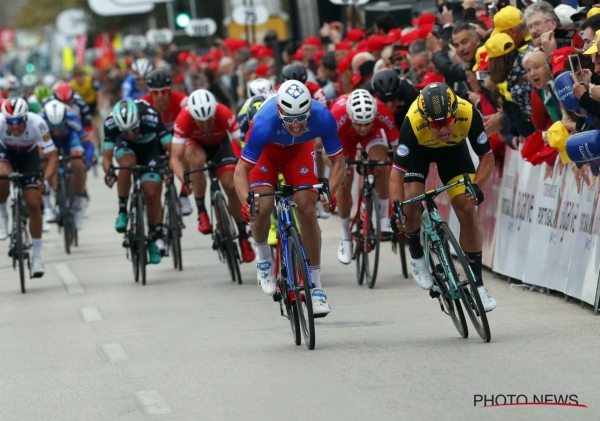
(158, 79)
(437, 102)
(386, 85)
(255, 103)
(295, 72)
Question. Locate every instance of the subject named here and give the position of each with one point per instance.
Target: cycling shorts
(296, 163)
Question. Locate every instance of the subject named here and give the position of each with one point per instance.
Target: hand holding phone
(575, 65)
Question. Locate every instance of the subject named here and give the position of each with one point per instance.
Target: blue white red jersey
(129, 90)
(68, 130)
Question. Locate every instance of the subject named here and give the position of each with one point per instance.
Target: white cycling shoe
(345, 252)
(320, 304)
(421, 274)
(489, 302)
(266, 276)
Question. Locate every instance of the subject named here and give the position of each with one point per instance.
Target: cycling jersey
(383, 131)
(225, 126)
(68, 134)
(177, 102)
(129, 89)
(267, 128)
(87, 90)
(151, 128)
(36, 134)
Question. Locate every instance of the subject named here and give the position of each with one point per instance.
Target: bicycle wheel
(448, 305)
(357, 241)
(371, 237)
(174, 219)
(227, 236)
(131, 241)
(63, 212)
(299, 274)
(398, 247)
(288, 297)
(465, 281)
(140, 238)
(19, 252)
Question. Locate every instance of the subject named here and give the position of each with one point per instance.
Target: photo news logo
(547, 399)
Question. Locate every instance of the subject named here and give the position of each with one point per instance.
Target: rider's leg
(5, 169)
(382, 177)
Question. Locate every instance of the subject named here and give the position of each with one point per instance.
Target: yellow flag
(68, 59)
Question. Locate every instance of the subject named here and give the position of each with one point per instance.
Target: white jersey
(36, 134)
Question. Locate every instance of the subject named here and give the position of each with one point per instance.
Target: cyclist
(435, 130)
(21, 133)
(168, 104)
(204, 131)
(395, 92)
(281, 139)
(134, 85)
(134, 133)
(257, 91)
(66, 132)
(362, 120)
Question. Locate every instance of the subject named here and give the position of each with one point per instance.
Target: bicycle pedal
(434, 292)
(277, 297)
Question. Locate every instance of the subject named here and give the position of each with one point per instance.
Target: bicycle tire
(372, 239)
(401, 248)
(287, 297)
(300, 280)
(63, 210)
(357, 241)
(451, 307)
(19, 252)
(131, 236)
(467, 287)
(174, 233)
(141, 237)
(227, 236)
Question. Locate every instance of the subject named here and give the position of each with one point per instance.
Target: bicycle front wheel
(140, 237)
(19, 244)
(228, 246)
(299, 273)
(175, 225)
(287, 297)
(465, 281)
(372, 236)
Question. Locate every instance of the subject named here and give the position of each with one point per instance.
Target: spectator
(540, 18)
(420, 60)
(510, 21)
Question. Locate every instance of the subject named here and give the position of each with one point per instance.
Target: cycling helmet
(63, 91)
(254, 105)
(55, 112)
(386, 85)
(295, 72)
(202, 104)
(141, 67)
(437, 102)
(42, 92)
(126, 115)
(293, 98)
(29, 80)
(259, 86)
(158, 79)
(13, 82)
(361, 107)
(49, 80)
(15, 108)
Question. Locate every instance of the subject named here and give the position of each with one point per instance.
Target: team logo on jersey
(402, 150)
(264, 168)
(303, 170)
(294, 91)
(482, 139)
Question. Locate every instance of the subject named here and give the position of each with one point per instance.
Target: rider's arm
(178, 145)
(402, 159)
(481, 146)
(327, 130)
(48, 149)
(240, 179)
(110, 136)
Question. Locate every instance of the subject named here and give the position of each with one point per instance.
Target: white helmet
(15, 108)
(55, 112)
(361, 107)
(293, 98)
(202, 104)
(260, 86)
(141, 67)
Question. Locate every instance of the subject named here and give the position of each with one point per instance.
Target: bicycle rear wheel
(175, 229)
(63, 212)
(140, 238)
(227, 236)
(299, 273)
(372, 237)
(357, 242)
(131, 235)
(19, 252)
(465, 281)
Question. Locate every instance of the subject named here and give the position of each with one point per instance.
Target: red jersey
(177, 101)
(383, 131)
(225, 126)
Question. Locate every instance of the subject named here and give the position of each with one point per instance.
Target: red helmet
(63, 92)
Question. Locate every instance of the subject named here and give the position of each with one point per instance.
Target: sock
(200, 204)
(346, 235)
(183, 192)
(263, 252)
(474, 260)
(241, 226)
(384, 210)
(36, 245)
(315, 275)
(123, 204)
(47, 201)
(79, 202)
(155, 231)
(414, 244)
(3, 209)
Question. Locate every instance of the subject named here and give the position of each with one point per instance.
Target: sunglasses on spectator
(291, 119)
(15, 121)
(441, 123)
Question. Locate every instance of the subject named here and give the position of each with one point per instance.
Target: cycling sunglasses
(161, 91)
(441, 124)
(291, 119)
(15, 121)
(132, 130)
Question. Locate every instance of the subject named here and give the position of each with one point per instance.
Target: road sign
(159, 36)
(72, 22)
(250, 15)
(201, 27)
(110, 8)
(349, 2)
(135, 42)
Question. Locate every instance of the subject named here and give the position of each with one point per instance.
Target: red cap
(376, 42)
(393, 36)
(425, 19)
(314, 41)
(298, 55)
(343, 45)
(317, 56)
(430, 77)
(409, 37)
(362, 46)
(234, 44)
(262, 70)
(560, 59)
(344, 64)
(355, 35)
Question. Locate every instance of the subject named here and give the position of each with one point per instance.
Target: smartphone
(481, 75)
(575, 65)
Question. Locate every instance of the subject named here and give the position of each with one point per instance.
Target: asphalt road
(87, 343)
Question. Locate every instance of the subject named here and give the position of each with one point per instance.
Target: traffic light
(182, 13)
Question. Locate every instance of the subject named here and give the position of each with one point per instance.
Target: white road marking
(91, 314)
(69, 279)
(152, 402)
(114, 353)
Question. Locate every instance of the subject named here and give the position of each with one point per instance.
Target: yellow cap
(480, 56)
(594, 48)
(593, 12)
(499, 44)
(557, 136)
(508, 17)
